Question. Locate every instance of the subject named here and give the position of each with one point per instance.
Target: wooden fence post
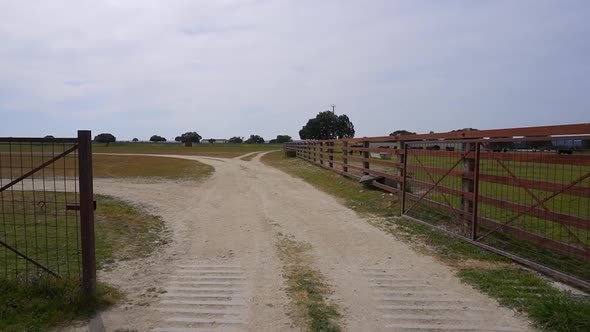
(86, 211)
(345, 156)
(366, 156)
(322, 153)
(401, 158)
(404, 178)
(475, 201)
(331, 152)
(467, 186)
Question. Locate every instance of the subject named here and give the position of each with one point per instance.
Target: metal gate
(529, 204)
(47, 209)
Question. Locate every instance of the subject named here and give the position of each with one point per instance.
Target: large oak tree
(327, 125)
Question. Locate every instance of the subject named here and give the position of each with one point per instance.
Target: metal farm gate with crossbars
(47, 209)
(522, 192)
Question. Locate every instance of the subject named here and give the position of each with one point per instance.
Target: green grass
(110, 166)
(212, 150)
(142, 166)
(202, 149)
(555, 173)
(116, 221)
(50, 234)
(306, 288)
(51, 303)
(549, 308)
(123, 231)
(452, 250)
(554, 310)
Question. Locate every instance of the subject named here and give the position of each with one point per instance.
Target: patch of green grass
(48, 304)
(124, 231)
(444, 246)
(50, 235)
(549, 308)
(212, 150)
(110, 166)
(202, 149)
(306, 288)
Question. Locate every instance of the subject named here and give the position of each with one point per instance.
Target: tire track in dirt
(204, 297)
(411, 302)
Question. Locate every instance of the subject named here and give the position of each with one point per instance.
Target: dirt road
(221, 271)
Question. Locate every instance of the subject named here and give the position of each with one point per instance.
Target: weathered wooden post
(401, 159)
(345, 156)
(331, 152)
(86, 211)
(404, 176)
(468, 186)
(322, 153)
(475, 193)
(366, 157)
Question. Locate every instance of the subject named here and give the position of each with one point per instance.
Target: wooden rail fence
(520, 192)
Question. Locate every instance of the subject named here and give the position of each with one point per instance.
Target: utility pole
(333, 107)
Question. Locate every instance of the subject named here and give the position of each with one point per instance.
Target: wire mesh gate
(47, 209)
(533, 203)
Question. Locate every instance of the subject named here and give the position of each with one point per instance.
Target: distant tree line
(194, 137)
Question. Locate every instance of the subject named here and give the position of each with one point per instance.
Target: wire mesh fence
(522, 192)
(40, 221)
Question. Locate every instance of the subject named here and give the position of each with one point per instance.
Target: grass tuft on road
(549, 308)
(307, 288)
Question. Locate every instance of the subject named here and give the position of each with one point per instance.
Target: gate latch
(77, 207)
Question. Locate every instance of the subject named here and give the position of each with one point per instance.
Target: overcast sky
(225, 68)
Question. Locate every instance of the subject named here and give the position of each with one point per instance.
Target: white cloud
(228, 68)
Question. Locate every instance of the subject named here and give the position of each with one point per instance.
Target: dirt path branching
(227, 268)
(249, 156)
